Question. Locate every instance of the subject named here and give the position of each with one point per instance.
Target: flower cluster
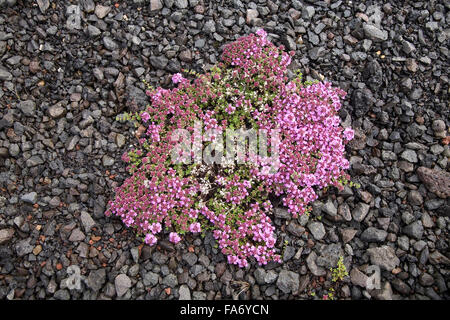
(257, 62)
(312, 151)
(249, 89)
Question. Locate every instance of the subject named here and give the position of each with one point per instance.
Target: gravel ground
(68, 68)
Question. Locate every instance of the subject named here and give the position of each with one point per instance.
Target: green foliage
(340, 272)
(343, 181)
(129, 116)
(329, 295)
(285, 244)
(299, 80)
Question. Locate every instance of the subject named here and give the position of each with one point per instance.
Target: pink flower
(177, 77)
(261, 33)
(174, 237)
(150, 239)
(289, 118)
(125, 157)
(308, 155)
(195, 227)
(349, 134)
(233, 259)
(155, 227)
(230, 109)
(145, 116)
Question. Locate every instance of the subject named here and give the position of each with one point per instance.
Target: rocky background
(67, 68)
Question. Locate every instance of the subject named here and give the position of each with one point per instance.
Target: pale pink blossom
(174, 237)
(349, 134)
(195, 227)
(177, 77)
(145, 116)
(150, 239)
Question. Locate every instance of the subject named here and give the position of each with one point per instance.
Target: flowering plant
(249, 89)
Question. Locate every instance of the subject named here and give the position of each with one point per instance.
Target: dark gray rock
(209, 27)
(251, 16)
(23, 247)
(191, 258)
(360, 212)
(288, 253)
(122, 283)
(329, 255)
(260, 275)
(181, 4)
(93, 31)
(30, 197)
(409, 155)
(403, 243)
(150, 279)
(110, 44)
(362, 100)
(308, 12)
(155, 5)
(170, 281)
(5, 75)
(159, 62)
(96, 279)
(282, 213)
(358, 278)
(348, 234)
(184, 292)
(87, 221)
(437, 181)
(316, 52)
(101, 11)
(107, 161)
(76, 235)
(408, 47)
(288, 281)
(384, 257)
(415, 198)
(373, 235)
(296, 229)
(414, 230)
(317, 230)
(43, 5)
(62, 294)
(56, 111)
(6, 235)
(374, 33)
(289, 43)
(426, 279)
(373, 75)
(401, 287)
(313, 267)
(27, 107)
(329, 208)
(438, 258)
